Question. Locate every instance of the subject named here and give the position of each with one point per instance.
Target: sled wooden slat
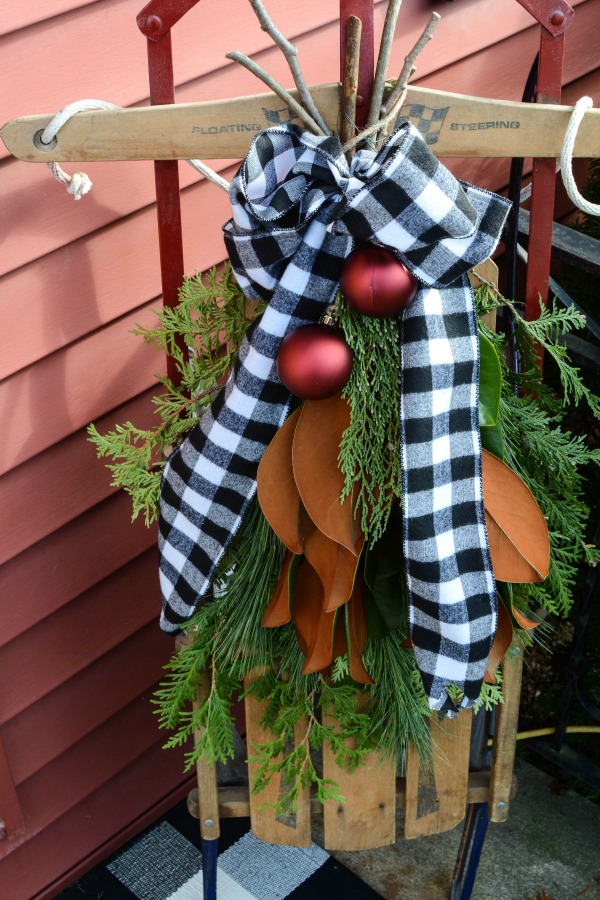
(234, 801)
(505, 736)
(436, 798)
(224, 129)
(367, 818)
(290, 830)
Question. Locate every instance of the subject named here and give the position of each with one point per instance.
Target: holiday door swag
(299, 211)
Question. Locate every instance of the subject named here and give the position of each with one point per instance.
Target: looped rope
(78, 184)
(566, 158)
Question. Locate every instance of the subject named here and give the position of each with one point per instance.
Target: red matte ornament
(375, 283)
(314, 361)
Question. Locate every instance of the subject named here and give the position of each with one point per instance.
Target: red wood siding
(81, 764)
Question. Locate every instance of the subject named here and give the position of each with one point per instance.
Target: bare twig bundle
(382, 115)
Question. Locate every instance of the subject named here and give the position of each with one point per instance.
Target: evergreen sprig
(369, 457)
(537, 445)
(227, 644)
(209, 322)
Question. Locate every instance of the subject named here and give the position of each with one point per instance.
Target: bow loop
(400, 197)
(287, 176)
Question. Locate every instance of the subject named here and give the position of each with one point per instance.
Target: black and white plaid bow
(297, 206)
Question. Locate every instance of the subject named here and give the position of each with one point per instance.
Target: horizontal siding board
(60, 484)
(77, 707)
(90, 763)
(487, 73)
(20, 15)
(11, 812)
(154, 781)
(93, 760)
(70, 561)
(84, 285)
(63, 644)
(62, 393)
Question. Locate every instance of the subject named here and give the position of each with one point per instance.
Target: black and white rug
(164, 863)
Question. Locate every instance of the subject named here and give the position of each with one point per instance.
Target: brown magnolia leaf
(314, 627)
(278, 611)
(357, 633)
(315, 451)
(522, 620)
(500, 644)
(276, 488)
(517, 530)
(335, 565)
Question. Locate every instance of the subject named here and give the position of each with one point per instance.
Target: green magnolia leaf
(376, 624)
(385, 581)
(492, 440)
(490, 382)
(389, 594)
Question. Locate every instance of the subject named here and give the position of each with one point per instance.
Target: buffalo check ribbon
(297, 207)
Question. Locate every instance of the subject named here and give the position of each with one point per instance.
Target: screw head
(501, 805)
(556, 17)
(209, 823)
(154, 24)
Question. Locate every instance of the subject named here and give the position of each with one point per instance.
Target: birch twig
(389, 112)
(409, 62)
(383, 60)
(350, 81)
(291, 54)
(281, 92)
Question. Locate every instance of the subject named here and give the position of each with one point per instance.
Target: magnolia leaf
(492, 440)
(356, 633)
(377, 627)
(490, 382)
(335, 565)
(314, 627)
(517, 531)
(386, 588)
(522, 620)
(278, 611)
(315, 451)
(501, 643)
(506, 593)
(276, 489)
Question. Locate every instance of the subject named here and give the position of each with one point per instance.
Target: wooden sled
(436, 801)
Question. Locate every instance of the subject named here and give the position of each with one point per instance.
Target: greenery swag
(522, 422)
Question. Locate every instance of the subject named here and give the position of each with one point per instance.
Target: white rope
(79, 184)
(209, 173)
(566, 158)
(527, 190)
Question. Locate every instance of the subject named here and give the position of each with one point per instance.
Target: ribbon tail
(210, 479)
(453, 608)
